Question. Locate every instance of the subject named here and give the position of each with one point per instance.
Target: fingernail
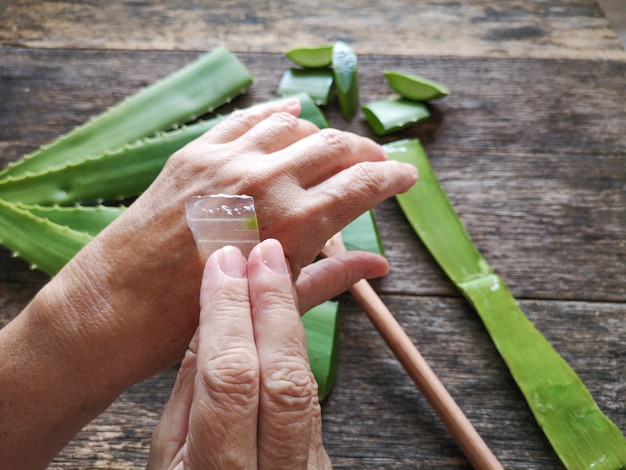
(274, 256)
(412, 170)
(232, 262)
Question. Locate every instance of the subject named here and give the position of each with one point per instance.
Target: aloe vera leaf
(415, 87)
(201, 86)
(345, 69)
(362, 234)
(321, 326)
(311, 57)
(581, 435)
(317, 83)
(44, 244)
(387, 116)
(89, 219)
(125, 172)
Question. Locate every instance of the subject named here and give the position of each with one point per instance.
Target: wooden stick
(466, 436)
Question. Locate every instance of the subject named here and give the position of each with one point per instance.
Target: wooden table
(530, 146)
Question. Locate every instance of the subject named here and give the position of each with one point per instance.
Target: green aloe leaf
(581, 435)
(317, 83)
(321, 326)
(200, 87)
(345, 68)
(89, 219)
(44, 244)
(415, 87)
(387, 116)
(122, 173)
(362, 234)
(311, 57)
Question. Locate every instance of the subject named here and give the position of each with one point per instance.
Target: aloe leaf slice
(122, 173)
(201, 86)
(321, 326)
(311, 57)
(581, 435)
(44, 244)
(345, 68)
(415, 87)
(362, 234)
(387, 116)
(89, 219)
(317, 83)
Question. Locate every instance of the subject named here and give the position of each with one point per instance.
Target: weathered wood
(375, 417)
(515, 28)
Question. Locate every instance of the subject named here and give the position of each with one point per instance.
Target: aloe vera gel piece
(581, 435)
(220, 220)
(345, 67)
(317, 83)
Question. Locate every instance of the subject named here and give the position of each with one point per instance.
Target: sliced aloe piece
(89, 219)
(345, 68)
(200, 87)
(125, 172)
(311, 57)
(321, 326)
(362, 234)
(415, 87)
(317, 83)
(581, 435)
(44, 244)
(387, 116)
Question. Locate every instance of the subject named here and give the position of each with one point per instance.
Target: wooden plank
(515, 28)
(375, 417)
(548, 215)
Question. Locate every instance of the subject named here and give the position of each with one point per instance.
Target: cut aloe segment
(362, 234)
(387, 116)
(200, 87)
(345, 68)
(415, 87)
(311, 57)
(581, 435)
(317, 83)
(321, 326)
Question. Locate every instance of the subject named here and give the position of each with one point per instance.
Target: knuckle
(232, 376)
(370, 180)
(335, 141)
(291, 387)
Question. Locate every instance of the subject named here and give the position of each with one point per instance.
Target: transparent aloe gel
(220, 220)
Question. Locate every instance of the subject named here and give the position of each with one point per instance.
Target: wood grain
(515, 28)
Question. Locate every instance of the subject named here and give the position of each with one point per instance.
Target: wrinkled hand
(245, 396)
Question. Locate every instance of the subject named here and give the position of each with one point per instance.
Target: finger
(223, 415)
(171, 431)
(327, 278)
(338, 200)
(287, 384)
(241, 121)
(325, 153)
(318, 457)
(276, 132)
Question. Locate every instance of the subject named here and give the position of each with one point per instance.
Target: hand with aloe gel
(245, 396)
(126, 306)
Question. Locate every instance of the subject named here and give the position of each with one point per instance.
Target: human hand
(245, 396)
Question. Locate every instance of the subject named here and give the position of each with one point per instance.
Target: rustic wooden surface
(531, 148)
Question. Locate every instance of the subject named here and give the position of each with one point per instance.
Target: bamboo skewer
(466, 436)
